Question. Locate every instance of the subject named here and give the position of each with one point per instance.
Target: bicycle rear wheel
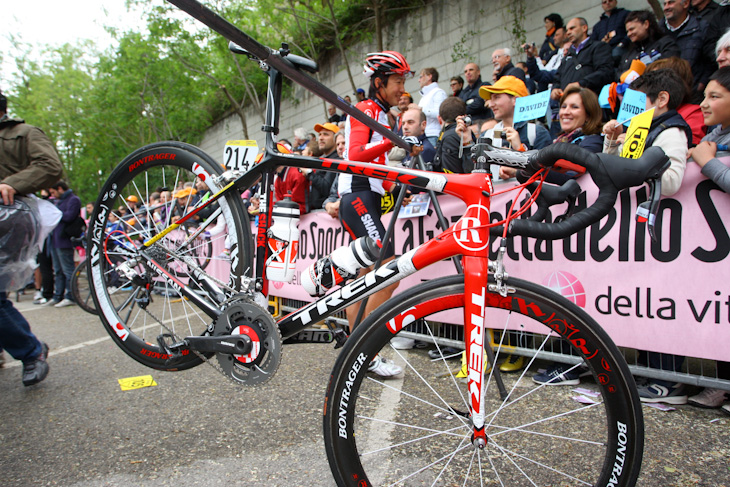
(116, 238)
(416, 429)
(80, 289)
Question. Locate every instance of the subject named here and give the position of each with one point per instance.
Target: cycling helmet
(387, 63)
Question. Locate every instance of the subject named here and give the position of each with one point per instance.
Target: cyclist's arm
(361, 149)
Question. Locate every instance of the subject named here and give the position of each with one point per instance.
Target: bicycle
(427, 427)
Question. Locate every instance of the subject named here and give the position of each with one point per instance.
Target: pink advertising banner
(670, 296)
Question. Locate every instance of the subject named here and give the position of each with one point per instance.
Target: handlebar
(610, 173)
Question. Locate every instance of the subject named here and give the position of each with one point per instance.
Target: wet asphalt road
(194, 428)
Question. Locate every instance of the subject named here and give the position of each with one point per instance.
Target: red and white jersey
(365, 145)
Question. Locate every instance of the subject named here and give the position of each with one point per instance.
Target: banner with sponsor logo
(672, 295)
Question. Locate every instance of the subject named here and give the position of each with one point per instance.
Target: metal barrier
(695, 371)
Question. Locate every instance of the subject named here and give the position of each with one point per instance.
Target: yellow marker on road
(131, 383)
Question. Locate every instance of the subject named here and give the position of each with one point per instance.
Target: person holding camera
(452, 152)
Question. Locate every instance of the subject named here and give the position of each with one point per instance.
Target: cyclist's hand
(396, 155)
(414, 143)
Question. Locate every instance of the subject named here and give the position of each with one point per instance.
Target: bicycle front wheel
(416, 429)
(137, 307)
(80, 288)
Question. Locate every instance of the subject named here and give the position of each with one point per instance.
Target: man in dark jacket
(588, 63)
(475, 107)
(28, 163)
(62, 248)
(447, 157)
(691, 35)
(502, 62)
(611, 29)
(321, 181)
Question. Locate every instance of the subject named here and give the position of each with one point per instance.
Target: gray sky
(55, 22)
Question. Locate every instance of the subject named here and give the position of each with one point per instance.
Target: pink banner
(667, 296)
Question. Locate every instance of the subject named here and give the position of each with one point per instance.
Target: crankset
(248, 323)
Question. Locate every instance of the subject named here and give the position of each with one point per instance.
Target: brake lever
(647, 211)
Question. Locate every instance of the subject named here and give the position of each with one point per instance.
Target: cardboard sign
(634, 103)
(636, 135)
(531, 107)
(603, 97)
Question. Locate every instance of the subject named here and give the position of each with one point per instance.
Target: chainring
(244, 317)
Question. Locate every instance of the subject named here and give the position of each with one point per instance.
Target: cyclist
(360, 196)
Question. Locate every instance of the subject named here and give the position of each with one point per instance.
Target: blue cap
(360, 90)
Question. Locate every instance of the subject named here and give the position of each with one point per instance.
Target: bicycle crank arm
(231, 344)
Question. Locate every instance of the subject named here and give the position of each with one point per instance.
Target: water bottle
(283, 238)
(342, 264)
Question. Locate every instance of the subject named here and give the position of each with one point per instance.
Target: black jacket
(509, 69)
(447, 153)
(664, 46)
(693, 40)
(321, 185)
(474, 103)
(592, 67)
(615, 22)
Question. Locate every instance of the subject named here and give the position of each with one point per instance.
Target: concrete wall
(431, 37)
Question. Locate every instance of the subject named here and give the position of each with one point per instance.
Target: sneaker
(51, 302)
(514, 363)
(384, 368)
(656, 392)
(402, 343)
(709, 398)
(42, 300)
(63, 303)
(448, 352)
(725, 408)
(38, 295)
(36, 370)
(561, 375)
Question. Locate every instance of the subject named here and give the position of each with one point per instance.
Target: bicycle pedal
(172, 349)
(339, 333)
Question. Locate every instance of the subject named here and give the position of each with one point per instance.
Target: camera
(467, 120)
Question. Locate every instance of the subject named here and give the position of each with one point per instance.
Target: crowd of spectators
(671, 59)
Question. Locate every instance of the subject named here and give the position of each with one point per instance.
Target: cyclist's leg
(360, 214)
(137, 310)
(417, 431)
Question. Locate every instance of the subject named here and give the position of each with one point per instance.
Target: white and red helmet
(387, 63)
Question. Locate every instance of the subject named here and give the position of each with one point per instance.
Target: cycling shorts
(360, 215)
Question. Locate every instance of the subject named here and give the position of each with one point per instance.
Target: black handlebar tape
(608, 192)
(555, 231)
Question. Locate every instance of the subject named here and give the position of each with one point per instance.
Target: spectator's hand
(530, 50)
(612, 129)
(703, 153)
(333, 209)
(8, 193)
(507, 172)
(556, 94)
(463, 130)
(305, 171)
(407, 198)
(513, 137)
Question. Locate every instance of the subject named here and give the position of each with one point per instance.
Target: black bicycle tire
(160, 154)
(85, 302)
(351, 368)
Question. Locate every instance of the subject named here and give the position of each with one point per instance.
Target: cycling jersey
(365, 145)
